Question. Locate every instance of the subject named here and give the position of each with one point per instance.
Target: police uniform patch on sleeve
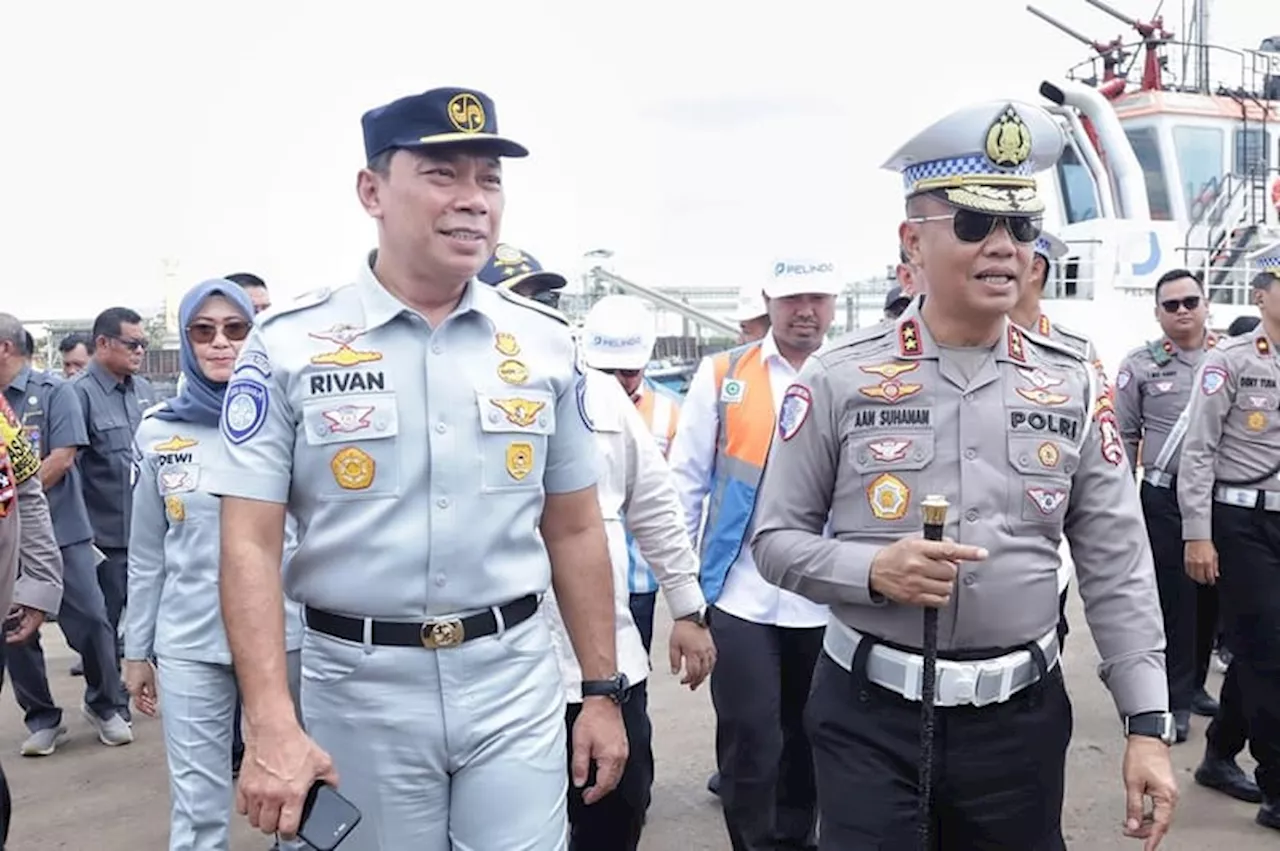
(1213, 379)
(796, 405)
(245, 409)
(1122, 378)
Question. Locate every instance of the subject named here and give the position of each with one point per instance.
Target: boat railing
(1250, 70)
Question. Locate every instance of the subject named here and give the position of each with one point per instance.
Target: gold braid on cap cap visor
(986, 193)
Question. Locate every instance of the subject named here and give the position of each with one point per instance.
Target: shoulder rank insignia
(1210, 340)
(1043, 327)
(1263, 346)
(909, 338)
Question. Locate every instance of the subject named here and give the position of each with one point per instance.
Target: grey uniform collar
(380, 306)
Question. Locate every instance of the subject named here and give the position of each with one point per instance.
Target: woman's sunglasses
(971, 226)
(1171, 305)
(234, 330)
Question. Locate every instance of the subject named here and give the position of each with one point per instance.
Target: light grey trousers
(197, 709)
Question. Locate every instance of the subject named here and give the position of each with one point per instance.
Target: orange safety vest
(744, 402)
(661, 415)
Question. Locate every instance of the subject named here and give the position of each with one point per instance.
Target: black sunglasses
(971, 226)
(235, 330)
(131, 345)
(1171, 305)
(625, 373)
(551, 298)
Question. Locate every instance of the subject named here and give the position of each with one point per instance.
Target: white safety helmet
(750, 305)
(802, 277)
(618, 333)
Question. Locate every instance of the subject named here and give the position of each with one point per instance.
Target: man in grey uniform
(1153, 387)
(112, 398)
(52, 421)
(954, 399)
(1229, 494)
(427, 432)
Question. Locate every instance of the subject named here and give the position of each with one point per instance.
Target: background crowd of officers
(1196, 413)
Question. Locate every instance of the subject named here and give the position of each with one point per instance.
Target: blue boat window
(1078, 194)
(1199, 151)
(1147, 149)
(1250, 151)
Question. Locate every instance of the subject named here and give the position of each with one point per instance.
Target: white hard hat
(750, 305)
(799, 277)
(618, 333)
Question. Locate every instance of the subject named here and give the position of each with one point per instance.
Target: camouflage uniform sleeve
(1211, 400)
(1128, 398)
(794, 502)
(1114, 567)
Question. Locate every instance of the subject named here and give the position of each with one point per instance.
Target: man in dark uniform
(513, 269)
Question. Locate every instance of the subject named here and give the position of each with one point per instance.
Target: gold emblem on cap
(513, 372)
(507, 254)
(466, 113)
(174, 509)
(1008, 139)
(519, 460)
(505, 343)
(353, 469)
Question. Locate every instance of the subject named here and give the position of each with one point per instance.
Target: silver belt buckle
(958, 684)
(445, 633)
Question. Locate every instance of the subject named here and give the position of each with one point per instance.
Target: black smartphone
(327, 818)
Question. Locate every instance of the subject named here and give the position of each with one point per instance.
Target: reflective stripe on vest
(747, 423)
(660, 415)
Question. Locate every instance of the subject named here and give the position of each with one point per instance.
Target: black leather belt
(432, 634)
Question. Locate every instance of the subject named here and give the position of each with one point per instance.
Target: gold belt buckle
(439, 634)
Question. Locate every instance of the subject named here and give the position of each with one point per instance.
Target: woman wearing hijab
(174, 620)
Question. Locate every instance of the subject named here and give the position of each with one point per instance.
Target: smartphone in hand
(327, 817)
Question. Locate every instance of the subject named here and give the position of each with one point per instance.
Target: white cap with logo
(802, 277)
(750, 305)
(618, 333)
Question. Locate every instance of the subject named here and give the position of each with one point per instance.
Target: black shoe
(1181, 726)
(1269, 814)
(1204, 705)
(1227, 777)
(713, 784)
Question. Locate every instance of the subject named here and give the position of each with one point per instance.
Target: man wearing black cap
(895, 301)
(427, 433)
(514, 270)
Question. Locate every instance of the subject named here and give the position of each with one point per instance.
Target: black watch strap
(1157, 725)
(615, 688)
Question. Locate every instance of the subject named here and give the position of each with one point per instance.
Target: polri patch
(245, 409)
(1213, 379)
(1122, 378)
(796, 405)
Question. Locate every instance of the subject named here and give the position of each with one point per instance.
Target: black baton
(935, 521)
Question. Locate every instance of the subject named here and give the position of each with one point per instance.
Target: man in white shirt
(767, 639)
(635, 484)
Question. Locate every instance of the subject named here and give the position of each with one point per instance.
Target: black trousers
(1190, 610)
(642, 606)
(614, 823)
(759, 687)
(997, 775)
(1248, 543)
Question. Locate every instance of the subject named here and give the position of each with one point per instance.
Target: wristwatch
(614, 688)
(699, 617)
(1157, 725)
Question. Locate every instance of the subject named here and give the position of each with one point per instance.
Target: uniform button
(440, 580)
(862, 457)
(968, 397)
(441, 428)
(1023, 460)
(438, 349)
(968, 579)
(971, 454)
(971, 515)
(493, 416)
(442, 502)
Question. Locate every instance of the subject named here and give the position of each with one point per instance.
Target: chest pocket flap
(513, 441)
(177, 478)
(889, 465)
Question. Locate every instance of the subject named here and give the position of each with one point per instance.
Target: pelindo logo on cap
(783, 268)
(615, 342)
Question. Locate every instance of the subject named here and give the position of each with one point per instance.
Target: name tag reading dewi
(1044, 422)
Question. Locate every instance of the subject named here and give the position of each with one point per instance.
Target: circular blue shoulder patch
(244, 410)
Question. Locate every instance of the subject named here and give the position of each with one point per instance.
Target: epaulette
(1225, 343)
(154, 409)
(516, 298)
(1056, 346)
(1161, 350)
(1075, 335)
(311, 298)
(883, 332)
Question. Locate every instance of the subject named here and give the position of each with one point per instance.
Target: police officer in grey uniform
(52, 421)
(1229, 493)
(1153, 386)
(112, 397)
(426, 430)
(955, 399)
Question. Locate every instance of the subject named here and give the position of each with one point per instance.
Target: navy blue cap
(510, 266)
(437, 117)
(895, 295)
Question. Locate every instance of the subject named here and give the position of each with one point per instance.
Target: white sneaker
(44, 742)
(112, 731)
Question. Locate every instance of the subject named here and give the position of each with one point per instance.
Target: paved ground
(87, 796)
